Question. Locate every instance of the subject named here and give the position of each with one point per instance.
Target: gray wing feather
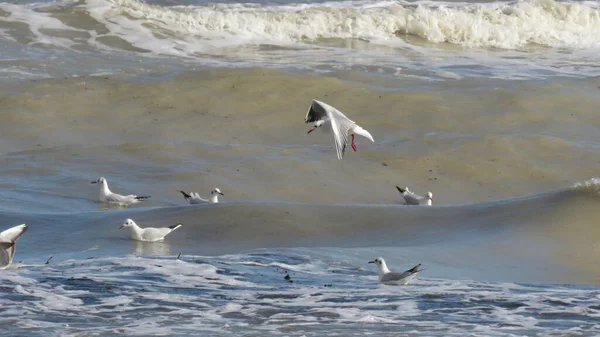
(6, 256)
(393, 277)
(153, 234)
(117, 199)
(340, 135)
(411, 198)
(340, 125)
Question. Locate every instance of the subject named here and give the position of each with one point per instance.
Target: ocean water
(491, 106)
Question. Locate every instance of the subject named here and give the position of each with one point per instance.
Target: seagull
(112, 198)
(414, 199)
(388, 277)
(322, 114)
(148, 234)
(195, 198)
(8, 244)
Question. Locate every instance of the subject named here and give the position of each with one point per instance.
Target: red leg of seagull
(353, 145)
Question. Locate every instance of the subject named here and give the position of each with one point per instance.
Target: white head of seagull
(113, 198)
(382, 268)
(148, 234)
(386, 276)
(324, 115)
(195, 198)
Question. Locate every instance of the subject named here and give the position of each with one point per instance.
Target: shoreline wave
(502, 25)
(387, 37)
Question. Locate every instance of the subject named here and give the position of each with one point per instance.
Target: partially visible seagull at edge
(324, 115)
(148, 234)
(113, 198)
(389, 277)
(195, 198)
(414, 199)
(8, 245)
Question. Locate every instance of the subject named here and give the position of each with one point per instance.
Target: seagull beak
(311, 130)
(94, 182)
(221, 194)
(122, 226)
(371, 261)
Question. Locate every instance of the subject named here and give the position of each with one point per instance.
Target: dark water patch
(501, 303)
(276, 296)
(87, 284)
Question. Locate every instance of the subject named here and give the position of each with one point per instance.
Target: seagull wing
(316, 111)
(8, 239)
(155, 234)
(340, 124)
(411, 198)
(405, 276)
(320, 111)
(186, 196)
(125, 199)
(114, 198)
(395, 277)
(6, 255)
(197, 199)
(340, 129)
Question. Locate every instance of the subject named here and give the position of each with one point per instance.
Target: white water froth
(423, 39)
(496, 25)
(228, 295)
(591, 186)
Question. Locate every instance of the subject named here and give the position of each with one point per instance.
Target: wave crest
(591, 186)
(498, 25)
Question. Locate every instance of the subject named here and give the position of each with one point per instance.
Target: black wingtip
(176, 226)
(142, 197)
(185, 195)
(313, 115)
(415, 269)
(400, 189)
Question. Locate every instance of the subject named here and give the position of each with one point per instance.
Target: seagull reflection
(150, 248)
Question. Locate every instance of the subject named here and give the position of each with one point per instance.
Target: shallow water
(246, 295)
(491, 106)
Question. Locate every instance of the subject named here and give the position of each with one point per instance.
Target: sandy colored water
(243, 130)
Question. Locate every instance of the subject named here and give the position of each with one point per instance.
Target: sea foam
(483, 25)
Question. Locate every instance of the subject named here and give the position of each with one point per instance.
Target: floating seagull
(331, 118)
(148, 234)
(8, 244)
(112, 198)
(388, 277)
(195, 198)
(414, 199)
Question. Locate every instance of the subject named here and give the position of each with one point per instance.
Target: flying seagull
(324, 115)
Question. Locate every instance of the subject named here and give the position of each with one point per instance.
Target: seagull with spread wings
(325, 116)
